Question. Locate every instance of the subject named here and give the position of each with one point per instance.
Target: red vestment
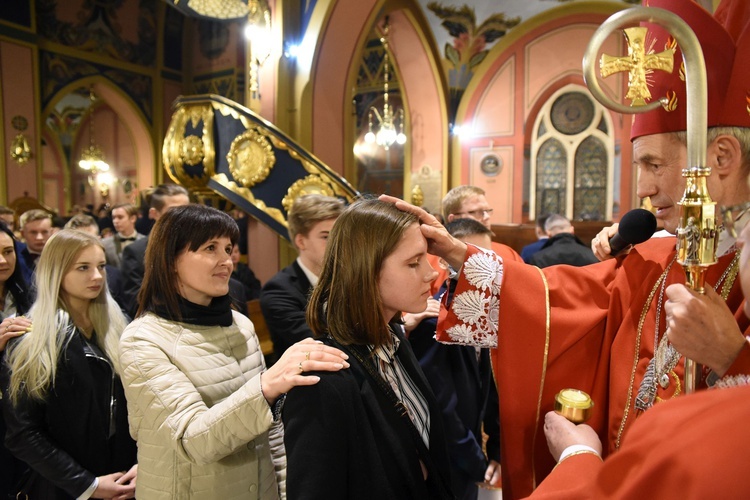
(686, 448)
(567, 327)
(504, 251)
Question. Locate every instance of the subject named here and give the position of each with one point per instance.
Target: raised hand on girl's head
(439, 240)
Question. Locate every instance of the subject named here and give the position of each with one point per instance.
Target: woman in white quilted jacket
(202, 405)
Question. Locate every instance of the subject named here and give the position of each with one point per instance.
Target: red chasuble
(568, 327)
(691, 447)
(503, 251)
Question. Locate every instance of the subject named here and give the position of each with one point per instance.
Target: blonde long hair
(33, 359)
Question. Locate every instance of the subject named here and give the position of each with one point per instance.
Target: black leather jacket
(80, 430)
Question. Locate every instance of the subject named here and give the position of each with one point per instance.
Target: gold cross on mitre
(638, 63)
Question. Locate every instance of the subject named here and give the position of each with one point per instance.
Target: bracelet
(277, 407)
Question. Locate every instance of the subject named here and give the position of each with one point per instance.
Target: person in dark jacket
(563, 246)
(284, 297)
(461, 378)
(373, 431)
(15, 300)
(541, 235)
(242, 273)
(63, 402)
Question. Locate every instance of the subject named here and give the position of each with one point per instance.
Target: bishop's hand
(701, 327)
(439, 240)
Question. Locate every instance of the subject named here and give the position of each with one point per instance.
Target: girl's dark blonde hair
(345, 303)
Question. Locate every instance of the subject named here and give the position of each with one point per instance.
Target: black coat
(563, 248)
(345, 439)
(283, 301)
(67, 439)
(246, 276)
(131, 268)
(466, 393)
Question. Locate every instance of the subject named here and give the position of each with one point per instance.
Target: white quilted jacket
(197, 411)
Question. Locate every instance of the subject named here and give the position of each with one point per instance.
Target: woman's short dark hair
(179, 229)
(16, 284)
(346, 303)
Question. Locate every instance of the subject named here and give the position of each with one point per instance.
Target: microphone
(635, 227)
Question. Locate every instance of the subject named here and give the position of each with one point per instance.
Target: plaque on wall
(491, 165)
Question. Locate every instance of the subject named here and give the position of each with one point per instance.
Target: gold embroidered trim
(733, 271)
(544, 375)
(637, 351)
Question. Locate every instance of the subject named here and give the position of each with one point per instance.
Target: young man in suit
(164, 197)
(124, 216)
(284, 298)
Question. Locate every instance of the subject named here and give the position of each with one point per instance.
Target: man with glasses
(467, 201)
(470, 202)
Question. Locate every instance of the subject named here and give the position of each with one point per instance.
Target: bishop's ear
(726, 153)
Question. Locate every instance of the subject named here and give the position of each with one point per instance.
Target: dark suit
(113, 248)
(283, 301)
(246, 276)
(345, 439)
(132, 272)
(131, 267)
(563, 248)
(27, 261)
(114, 283)
(466, 394)
(531, 249)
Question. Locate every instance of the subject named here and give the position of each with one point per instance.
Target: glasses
(731, 214)
(477, 214)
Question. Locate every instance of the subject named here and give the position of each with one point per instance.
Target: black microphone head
(637, 226)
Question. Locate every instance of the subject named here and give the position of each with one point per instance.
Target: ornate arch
(128, 112)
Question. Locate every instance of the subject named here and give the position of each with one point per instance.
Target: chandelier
(390, 122)
(92, 158)
(258, 33)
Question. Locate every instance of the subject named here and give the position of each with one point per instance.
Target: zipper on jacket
(90, 353)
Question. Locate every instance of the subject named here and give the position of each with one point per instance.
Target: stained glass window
(551, 177)
(573, 151)
(589, 202)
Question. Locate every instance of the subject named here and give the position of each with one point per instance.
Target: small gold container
(574, 405)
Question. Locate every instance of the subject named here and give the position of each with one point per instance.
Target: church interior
(404, 97)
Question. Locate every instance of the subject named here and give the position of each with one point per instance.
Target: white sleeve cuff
(89, 491)
(577, 448)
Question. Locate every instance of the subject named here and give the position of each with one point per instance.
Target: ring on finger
(300, 367)
(307, 356)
